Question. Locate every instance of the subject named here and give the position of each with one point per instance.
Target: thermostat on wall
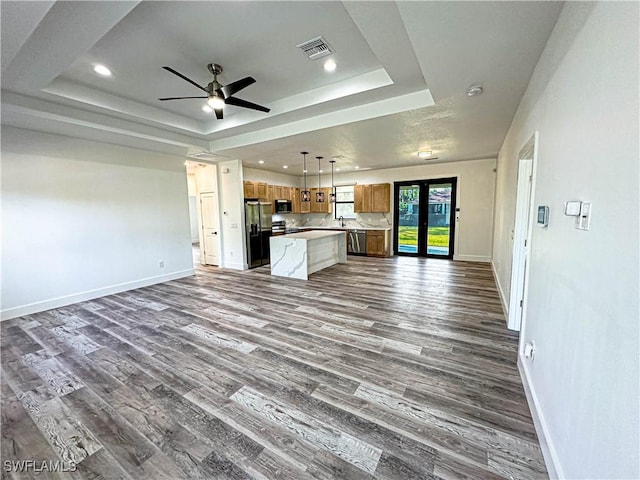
(543, 216)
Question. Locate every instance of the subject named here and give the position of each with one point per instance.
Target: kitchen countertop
(311, 235)
(344, 228)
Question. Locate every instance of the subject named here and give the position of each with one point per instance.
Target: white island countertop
(312, 234)
(298, 255)
(342, 228)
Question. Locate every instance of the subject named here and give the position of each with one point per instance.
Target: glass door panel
(439, 219)
(408, 201)
(424, 217)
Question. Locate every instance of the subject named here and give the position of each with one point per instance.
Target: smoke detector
(474, 90)
(315, 48)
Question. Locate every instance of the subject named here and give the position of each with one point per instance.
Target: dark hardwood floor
(397, 368)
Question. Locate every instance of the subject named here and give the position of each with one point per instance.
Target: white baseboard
(90, 294)
(236, 266)
(546, 444)
(471, 258)
(503, 297)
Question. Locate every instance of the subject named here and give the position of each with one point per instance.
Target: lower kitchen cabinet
(378, 243)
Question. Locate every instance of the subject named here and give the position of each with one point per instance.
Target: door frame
(423, 215)
(522, 233)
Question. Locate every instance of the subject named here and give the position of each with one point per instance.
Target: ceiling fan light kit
(219, 95)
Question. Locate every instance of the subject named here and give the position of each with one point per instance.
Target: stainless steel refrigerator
(258, 226)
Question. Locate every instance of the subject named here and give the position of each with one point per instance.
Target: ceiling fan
(219, 95)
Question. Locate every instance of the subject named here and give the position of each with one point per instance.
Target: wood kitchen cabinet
(361, 198)
(262, 190)
(249, 190)
(381, 198)
(372, 198)
(378, 243)
(320, 207)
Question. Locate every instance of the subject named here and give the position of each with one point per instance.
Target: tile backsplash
(362, 220)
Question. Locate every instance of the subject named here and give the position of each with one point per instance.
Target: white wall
(272, 178)
(476, 187)
(231, 197)
(582, 309)
(82, 219)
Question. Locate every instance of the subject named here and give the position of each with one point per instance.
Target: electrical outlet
(161, 263)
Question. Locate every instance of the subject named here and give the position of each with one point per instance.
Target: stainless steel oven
(357, 242)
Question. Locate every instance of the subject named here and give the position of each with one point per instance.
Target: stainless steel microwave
(283, 206)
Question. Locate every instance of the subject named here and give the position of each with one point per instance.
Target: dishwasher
(357, 244)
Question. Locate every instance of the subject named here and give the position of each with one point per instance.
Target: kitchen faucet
(341, 218)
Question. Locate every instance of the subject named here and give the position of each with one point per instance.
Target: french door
(424, 218)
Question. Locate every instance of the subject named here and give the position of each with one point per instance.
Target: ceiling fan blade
(238, 102)
(178, 98)
(169, 69)
(218, 113)
(236, 86)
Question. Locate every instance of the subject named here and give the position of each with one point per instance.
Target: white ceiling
(403, 68)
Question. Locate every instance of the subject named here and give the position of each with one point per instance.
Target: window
(344, 202)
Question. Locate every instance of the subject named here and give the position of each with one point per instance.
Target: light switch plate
(572, 208)
(584, 219)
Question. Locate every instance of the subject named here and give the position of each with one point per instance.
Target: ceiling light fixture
(425, 153)
(260, 162)
(474, 90)
(285, 166)
(332, 195)
(207, 109)
(101, 70)
(319, 193)
(215, 101)
(356, 167)
(330, 65)
(305, 195)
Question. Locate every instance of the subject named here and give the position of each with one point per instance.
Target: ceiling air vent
(316, 48)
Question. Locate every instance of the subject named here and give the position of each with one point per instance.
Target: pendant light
(320, 194)
(332, 195)
(305, 195)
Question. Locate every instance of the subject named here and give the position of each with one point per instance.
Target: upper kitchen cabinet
(255, 190)
(374, 198)
(381, 198)
(249, 190)
(320, 207)
(262, 190)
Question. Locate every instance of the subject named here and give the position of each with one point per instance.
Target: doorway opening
(424, 217)
(202, 182)
(522, 234)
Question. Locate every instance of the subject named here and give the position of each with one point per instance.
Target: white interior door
(210, 248)
(521, 236)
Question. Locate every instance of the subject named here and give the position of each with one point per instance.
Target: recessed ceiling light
(207, 109)
(304, 171)
(330, 65)
(285, 166)
(356, 167)
(474, 90)
(320, 171)
(260, 162)
(337, 169)
(101, 70)
(425, 153)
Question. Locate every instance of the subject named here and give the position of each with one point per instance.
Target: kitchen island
(298, 255)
